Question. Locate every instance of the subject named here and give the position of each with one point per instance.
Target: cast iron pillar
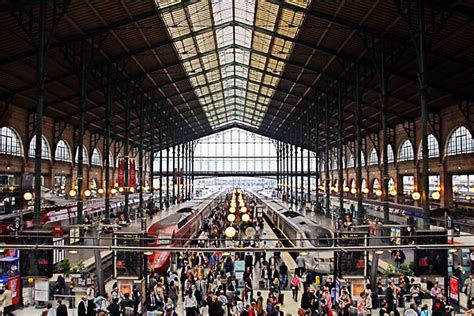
(360, 209)
(126, 149)
(140, 162)
(326, 159)
(317, 154)
(423, 79)
(340, 156)
(40, 74)
(108, 106)
(383, 100)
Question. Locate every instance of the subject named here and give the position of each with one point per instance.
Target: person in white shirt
(190, 304)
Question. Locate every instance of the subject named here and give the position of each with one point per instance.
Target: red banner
(121, 173)
(14, 285)
(133, 173)
(454, 289)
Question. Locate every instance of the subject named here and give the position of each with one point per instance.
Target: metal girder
(116, 25)
(467, 109)
(341, 22)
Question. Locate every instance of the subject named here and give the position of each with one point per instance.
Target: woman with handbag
(295, 286)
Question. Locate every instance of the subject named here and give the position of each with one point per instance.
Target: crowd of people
(254, 281)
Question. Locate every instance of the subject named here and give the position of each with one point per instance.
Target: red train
(175, 230)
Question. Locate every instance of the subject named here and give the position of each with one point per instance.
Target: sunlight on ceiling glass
(234, 52)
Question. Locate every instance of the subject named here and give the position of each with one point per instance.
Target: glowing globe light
(393, 192)
(101, 191)
(232, 210)
(436, 195)
(87, 193)
(378, 192)
(353, 191)
(72, 193)
(231, 217)
(28, 196)
(416, 196)
(245, 217)
(243, 210)
(113, 191)
(120, 189)
(230, 232)
(132, 189)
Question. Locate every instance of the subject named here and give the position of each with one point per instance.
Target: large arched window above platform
(406, 151)
(10, 142)
(45, 151)
(460, 142)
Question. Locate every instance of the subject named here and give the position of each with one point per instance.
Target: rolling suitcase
(261, 283)
(281, 298)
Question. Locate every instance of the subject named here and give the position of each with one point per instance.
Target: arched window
(350, 162)
(10, 142)
(390, 155)
(111, 160)
(362, 159)
(62, 152)
(85, 157)
(96, 158)
(373, 158)
(433, 147)
(44, 148)
(406, 151)
(460, 142)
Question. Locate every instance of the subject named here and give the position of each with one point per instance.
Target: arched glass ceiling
(234, 52)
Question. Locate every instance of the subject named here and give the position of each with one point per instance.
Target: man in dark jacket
(82, 307)
(215, 308)
(61, 310)
(307, 298)
(114, 308)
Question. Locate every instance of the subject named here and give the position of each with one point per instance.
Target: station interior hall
(236, 158)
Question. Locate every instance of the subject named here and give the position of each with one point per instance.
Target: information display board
(37, 263)
(352, 263)
(127, 263)
(431, 262)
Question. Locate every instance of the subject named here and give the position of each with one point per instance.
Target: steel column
(80, 141)
(288, 171)
(140, 163)
(161, 160)
(126, 148)
(174, 172)
(296, 170)
(178, 176)
(40, 74)
(383, 100)
(168, 175)
(318, 154)
(423, 79)
(108, 106)
(291, 174)
(309, 161)
(326, 158)
(152, 156)
(358, 154)
(340, 118)
(302, 171)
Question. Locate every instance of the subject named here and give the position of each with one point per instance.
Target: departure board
(127, 263)
(352, 263)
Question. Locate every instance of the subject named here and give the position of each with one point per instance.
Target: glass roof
(234, 52)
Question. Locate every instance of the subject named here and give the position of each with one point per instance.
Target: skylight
(234, 52)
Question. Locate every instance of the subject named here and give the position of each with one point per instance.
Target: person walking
(468, 289)
(295, 286)
(190, 304)
(61, 309)
(82, 307)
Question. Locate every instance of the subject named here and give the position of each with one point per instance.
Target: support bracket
(467, 109)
